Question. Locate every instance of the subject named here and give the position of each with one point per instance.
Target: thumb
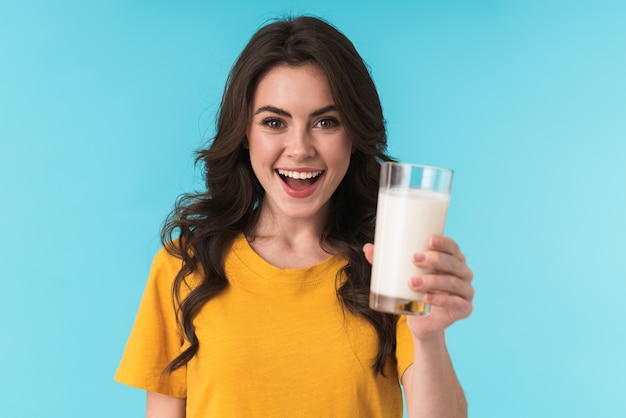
(368, 250)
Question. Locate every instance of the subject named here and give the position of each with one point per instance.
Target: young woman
(259, 306)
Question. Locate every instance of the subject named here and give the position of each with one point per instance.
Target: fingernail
(417, 281)
(435, 241)
(419, 257)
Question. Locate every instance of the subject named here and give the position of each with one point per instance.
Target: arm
(164, 406)
(430, 384)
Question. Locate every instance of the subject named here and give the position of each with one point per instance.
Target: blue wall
(103, 103)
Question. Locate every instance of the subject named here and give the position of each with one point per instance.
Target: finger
(437, 283)
(368, 250)
(446, 245)
(457, 307)
(443, 263)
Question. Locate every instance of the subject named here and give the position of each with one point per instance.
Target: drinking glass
(412, 205)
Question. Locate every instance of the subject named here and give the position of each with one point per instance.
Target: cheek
(263, 153)
(342, 153)
(259, 146)
(339, 157)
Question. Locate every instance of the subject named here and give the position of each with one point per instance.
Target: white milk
(405, 220)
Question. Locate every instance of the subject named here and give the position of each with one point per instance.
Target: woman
(260, 306)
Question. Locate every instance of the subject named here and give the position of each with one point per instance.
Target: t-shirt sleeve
(404, 346)
(155, 339)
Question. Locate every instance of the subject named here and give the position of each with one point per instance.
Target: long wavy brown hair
(207, 223)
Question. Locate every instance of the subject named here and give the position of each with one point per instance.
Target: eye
(273, 123)
(327, 123)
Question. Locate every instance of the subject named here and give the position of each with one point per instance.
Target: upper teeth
(299, 174)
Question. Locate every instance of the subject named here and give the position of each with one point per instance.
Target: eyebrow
(283, 112)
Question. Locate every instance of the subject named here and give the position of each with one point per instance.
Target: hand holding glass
(412, 206)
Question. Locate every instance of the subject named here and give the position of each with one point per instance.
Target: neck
(274, 223)
(289, 242)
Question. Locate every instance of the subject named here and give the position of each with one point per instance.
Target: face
(299, 148)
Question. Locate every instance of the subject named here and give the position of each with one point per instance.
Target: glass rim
(430, 167)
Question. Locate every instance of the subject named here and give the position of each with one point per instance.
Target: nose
(300, 145)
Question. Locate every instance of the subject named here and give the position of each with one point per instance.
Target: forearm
(163, 406)
(430, 384)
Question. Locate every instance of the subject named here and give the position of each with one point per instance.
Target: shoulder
(167, 264)
(404, 346)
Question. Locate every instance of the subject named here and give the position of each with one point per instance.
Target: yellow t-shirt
(275, 343)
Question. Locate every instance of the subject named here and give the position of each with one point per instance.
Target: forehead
(283, 82)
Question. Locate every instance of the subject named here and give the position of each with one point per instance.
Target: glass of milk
(412, 206)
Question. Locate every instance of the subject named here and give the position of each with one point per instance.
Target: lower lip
(306, 192)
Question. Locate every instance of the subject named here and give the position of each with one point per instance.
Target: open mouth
(299, 180)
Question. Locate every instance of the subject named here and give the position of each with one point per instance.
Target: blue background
(103, 103)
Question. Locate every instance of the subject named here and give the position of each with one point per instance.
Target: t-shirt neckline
(291, 276)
